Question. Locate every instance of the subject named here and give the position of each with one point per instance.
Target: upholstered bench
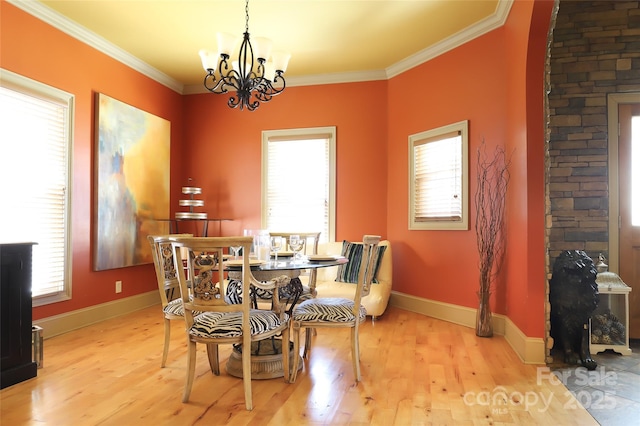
(376, 302)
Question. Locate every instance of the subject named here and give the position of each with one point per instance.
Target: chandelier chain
(246, 11)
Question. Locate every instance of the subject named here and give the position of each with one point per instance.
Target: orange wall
(36, 50)
(464, 84)
(224, 151)
(526, 32)
(537, 171)
(494, 81)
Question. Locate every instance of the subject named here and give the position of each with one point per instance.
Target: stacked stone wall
(595, 51)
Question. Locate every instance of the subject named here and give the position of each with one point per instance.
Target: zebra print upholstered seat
(330, 309)
(337, 312)
(229, 324)
(174, 308)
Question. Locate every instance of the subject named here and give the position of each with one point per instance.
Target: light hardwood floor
(415, 370)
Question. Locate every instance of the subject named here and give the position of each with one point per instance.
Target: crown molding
(72, 28)
(311, 80)
(77, 31)
(488, 24)
(337, 78)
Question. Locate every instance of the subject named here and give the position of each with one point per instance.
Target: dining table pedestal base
(266, 360)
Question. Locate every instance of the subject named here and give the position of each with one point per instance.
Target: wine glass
(236, 251)
(276, 245)
(296, 243)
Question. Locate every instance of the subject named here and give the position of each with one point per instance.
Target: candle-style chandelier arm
(265, 90)
(212, 84)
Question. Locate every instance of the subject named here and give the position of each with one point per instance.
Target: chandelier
(253, 78)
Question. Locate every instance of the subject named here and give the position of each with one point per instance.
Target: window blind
(34, 162)
(298, 184)
(438, 178)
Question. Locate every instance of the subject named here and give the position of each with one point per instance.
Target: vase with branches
(492, 183)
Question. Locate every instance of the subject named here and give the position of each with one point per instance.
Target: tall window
(438, 180)
(35, 151)
(298, 180)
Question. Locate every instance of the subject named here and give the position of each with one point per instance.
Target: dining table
(266, 357)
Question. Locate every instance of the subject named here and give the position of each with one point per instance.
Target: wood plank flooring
(416, 370)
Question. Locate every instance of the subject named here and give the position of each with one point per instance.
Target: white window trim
(463, 128)
(35, 88)
(302, 133)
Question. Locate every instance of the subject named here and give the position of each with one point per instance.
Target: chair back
(166, 276)
(310, 240)
(367, 268)
(209, 277)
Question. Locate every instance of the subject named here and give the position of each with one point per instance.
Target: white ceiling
(330, 40)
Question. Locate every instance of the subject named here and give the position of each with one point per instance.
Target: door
(629, 193)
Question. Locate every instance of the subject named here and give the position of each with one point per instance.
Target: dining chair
(334, 312)
(220, 320)
(311, 240)
(167, 278)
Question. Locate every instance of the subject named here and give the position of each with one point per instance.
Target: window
(35, 147)
(298, 180)
(438, 178)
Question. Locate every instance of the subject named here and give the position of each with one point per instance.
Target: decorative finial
(601, 266)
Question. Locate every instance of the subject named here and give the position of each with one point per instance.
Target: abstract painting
(132, 183)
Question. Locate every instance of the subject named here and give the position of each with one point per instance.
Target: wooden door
(629, 192)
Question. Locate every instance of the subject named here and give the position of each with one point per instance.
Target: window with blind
(298, 180)
(439, 176)
(35, 154)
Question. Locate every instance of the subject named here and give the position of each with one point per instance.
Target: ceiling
(329, 40)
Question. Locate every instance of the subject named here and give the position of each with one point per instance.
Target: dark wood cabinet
(16, 361)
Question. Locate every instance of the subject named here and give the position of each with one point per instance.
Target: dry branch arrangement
(492, 180)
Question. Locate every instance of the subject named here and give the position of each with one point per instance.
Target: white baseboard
(59, 324)
(531, 350)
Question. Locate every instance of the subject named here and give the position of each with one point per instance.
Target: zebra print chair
(220, 320)
(310, 247)
(167, 284)
(337, 312)
(311, 240)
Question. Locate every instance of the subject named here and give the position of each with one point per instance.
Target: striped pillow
(348, 273)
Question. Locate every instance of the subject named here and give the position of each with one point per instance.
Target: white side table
(609, 325)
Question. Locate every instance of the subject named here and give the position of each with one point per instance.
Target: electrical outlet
(118, 286)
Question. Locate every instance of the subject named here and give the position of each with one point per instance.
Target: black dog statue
(573, 294)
